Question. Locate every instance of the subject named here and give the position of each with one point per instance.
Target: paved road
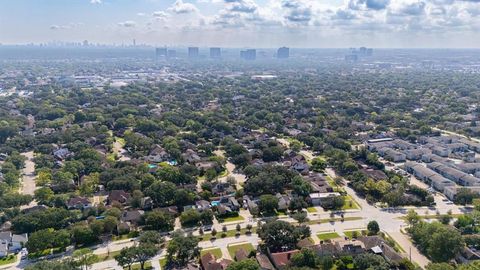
(239, 178)
(28, 185)
(28, 179)
(120, 151)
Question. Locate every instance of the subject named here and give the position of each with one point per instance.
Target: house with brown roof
(241, 254)
(118, 196)
(282, 259)
(209, 262)
(78, 203)
(377, 245)
(264, 262)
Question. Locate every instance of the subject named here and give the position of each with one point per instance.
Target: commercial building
(283, 53)
(215, 53)
(250, 54)
(193, 52)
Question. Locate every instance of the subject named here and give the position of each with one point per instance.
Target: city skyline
(245, 23)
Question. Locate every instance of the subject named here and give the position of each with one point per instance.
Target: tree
(371, 261)
(439, 266)
(412, 217)
(43, 195)
(249, 264)
(162, 193)
(144, 252)
(126, 257)
(48, 238)
(84, 257)
(373, 227)
(268, 204)
(300, 217)
(181, 249)
(159, 221)
(465, 196)
(65, 264)
(318, 164)
(281, 236)
(439, 242)
(83, 235)
(151, 238)
(305, 258)
(189, 218)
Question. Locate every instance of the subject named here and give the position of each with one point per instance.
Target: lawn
(327, 236)
(230, 219)
(325, 220)
(106, 257)
(333, 185)
(121, 141)
(231, 233)
(163, 262)
(349, 234)
(217, 252)
(148, 265)
(350, 203)
(311, 209)
(8, 260)
(232, 248)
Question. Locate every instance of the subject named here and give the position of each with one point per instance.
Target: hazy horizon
(245, 23)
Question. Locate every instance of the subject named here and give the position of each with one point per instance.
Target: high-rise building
(160, 53)
(215, 52)
(193, 52)
(283, 53)
(250, 54)
(171, 54)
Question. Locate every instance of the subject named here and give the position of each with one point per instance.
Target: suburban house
(323, 199)
(118, 196)
(78, 203)
(209, 262)
(282, 259)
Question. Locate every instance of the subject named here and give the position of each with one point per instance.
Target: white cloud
(127, 24)
(180, 7)
(96, 1)
(159, 14)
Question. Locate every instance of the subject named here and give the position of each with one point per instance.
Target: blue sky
(245, 23)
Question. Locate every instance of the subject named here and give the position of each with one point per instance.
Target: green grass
(349, 234)
(327, 236)
(121, 141)
(232, 248)
(311, 209)
(350, 203)
(8, 260)
(148, 265)
(224, 173)
(230, 219)
(231, 233)
(105, 257)
(396, 246)
(325, 220)
(163, 262)
(217, 252)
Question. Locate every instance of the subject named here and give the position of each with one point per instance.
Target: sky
(245, 23)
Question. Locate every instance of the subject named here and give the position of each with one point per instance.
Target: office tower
(193, 52)
(160, 53)
(85, 43)
(215, 53)
(134, 43)
(171, 54)
(250, 54)
(283, 53)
